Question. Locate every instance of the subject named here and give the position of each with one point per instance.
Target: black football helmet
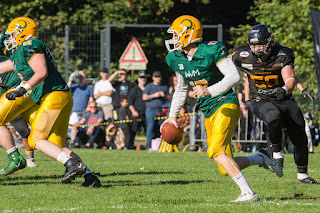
(260, 35)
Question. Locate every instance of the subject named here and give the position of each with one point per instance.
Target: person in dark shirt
(122, 87)
(137, 107)
(90, 133)
(271, 80)
(123, 118)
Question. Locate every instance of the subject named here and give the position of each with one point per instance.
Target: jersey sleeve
(32, 47)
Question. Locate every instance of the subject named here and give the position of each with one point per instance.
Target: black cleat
(308, 180)
(91, 180)
(75, 168)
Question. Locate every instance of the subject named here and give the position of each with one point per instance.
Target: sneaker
(75, 168)
(269, 164)
(31, 163)
(91, 180)
(16, 162)
(308, 180)
(247, 197)
(280, 162)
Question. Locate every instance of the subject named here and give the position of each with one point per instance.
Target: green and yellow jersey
(202, 70)
(10, 79)
(20, 58)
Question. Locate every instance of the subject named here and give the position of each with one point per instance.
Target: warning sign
(133, 57)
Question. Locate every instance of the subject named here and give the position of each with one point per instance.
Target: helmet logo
(21, 25)
(186, 25)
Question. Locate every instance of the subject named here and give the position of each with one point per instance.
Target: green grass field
(142, 181)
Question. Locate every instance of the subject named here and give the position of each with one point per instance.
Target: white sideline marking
(284, 202)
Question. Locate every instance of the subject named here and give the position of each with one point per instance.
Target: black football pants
(284, 114)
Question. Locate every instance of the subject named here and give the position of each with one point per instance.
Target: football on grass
(171, 134)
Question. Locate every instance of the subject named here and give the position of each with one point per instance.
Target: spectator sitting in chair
(94, 131)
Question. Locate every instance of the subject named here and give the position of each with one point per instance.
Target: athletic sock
(242, 183)
(301, 176)
(63, 157)
(13, 149)
(30, 154)
(277, 155)
(255, 160)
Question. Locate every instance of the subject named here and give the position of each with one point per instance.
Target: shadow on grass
(294, 196)
(139, 173)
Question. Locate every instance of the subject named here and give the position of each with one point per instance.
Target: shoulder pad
(213, 47)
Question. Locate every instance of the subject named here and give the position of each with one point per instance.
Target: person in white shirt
(103, 91)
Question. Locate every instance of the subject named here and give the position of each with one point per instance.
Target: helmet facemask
(177, 43)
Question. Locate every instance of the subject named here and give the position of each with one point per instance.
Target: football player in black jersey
(271, 81)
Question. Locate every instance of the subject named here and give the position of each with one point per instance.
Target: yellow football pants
(50, 121)
(220, 128)
(12, 108)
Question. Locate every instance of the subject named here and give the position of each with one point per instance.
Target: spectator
(103, 91)
(82, 94)
(114, 137)
(137, 107)
(122, 87)
(173, 84)
(92, 133)
(123, 117)
(155, 96)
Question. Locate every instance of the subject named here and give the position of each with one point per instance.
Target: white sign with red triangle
(133, 57)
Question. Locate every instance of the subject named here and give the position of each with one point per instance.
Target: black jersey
(266, 76)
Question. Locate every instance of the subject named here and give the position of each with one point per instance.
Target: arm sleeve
(231, 77)
(179, 96)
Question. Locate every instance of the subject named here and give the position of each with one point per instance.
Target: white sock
(277, 155)
(301, 176)
(255, 160)
(13, 149)
(242, 183)
(63, 157)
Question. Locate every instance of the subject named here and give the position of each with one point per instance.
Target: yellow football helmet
(20, 29)
(186, 30)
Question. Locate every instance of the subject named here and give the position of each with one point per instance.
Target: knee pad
(272, 116)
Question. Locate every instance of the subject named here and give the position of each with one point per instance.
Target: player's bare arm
(6, 66)
(289, 78)
(39, 66)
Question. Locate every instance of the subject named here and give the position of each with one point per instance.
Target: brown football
(171, 134)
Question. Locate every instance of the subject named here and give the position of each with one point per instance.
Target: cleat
(280, 162)
(16, 162)
(308, 180)
(31, 163)
(91, 180)
(247, 197)
(269, 164)
(75, 168)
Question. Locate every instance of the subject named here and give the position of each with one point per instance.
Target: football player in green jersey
(40, 83)
(205, 66)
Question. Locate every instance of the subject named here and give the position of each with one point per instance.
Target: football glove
(3, 86)
(247, 105)
(306, 93)
(18, 92)
(280, 93)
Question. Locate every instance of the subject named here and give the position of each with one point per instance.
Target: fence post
(108, 44)
(66, 30)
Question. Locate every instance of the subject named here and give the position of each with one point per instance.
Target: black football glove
(247, 105)
(16, 93)
(280, 93)
(3, 86)
(306, 93)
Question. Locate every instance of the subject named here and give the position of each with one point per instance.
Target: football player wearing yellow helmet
(205, 66)
(40, 83)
